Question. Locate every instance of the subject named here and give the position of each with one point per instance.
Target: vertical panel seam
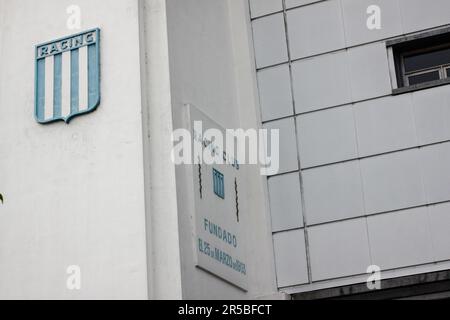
(297, 131)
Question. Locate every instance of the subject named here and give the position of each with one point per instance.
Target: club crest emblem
(67, 77)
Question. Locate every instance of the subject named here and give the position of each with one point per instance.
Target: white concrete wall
(101, 192)
(366, 158)
(211, 67)
(163, 246)
(74, 194)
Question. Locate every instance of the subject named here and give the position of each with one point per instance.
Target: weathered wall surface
(211, 67)
(74, 194)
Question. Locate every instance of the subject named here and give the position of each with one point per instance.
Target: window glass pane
(448, 73)
(424, 77)
(427, 60)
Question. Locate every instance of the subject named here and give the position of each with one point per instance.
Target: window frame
(405, 46)
(442, 68)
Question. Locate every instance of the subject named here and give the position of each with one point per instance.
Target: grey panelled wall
(374, 181)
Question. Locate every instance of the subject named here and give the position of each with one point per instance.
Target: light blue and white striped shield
(67, 77)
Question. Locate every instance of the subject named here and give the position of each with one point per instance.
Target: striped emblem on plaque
(67, 77)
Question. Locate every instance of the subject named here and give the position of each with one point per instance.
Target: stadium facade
(357, 88)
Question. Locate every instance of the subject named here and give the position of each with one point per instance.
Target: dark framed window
(421, 61)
